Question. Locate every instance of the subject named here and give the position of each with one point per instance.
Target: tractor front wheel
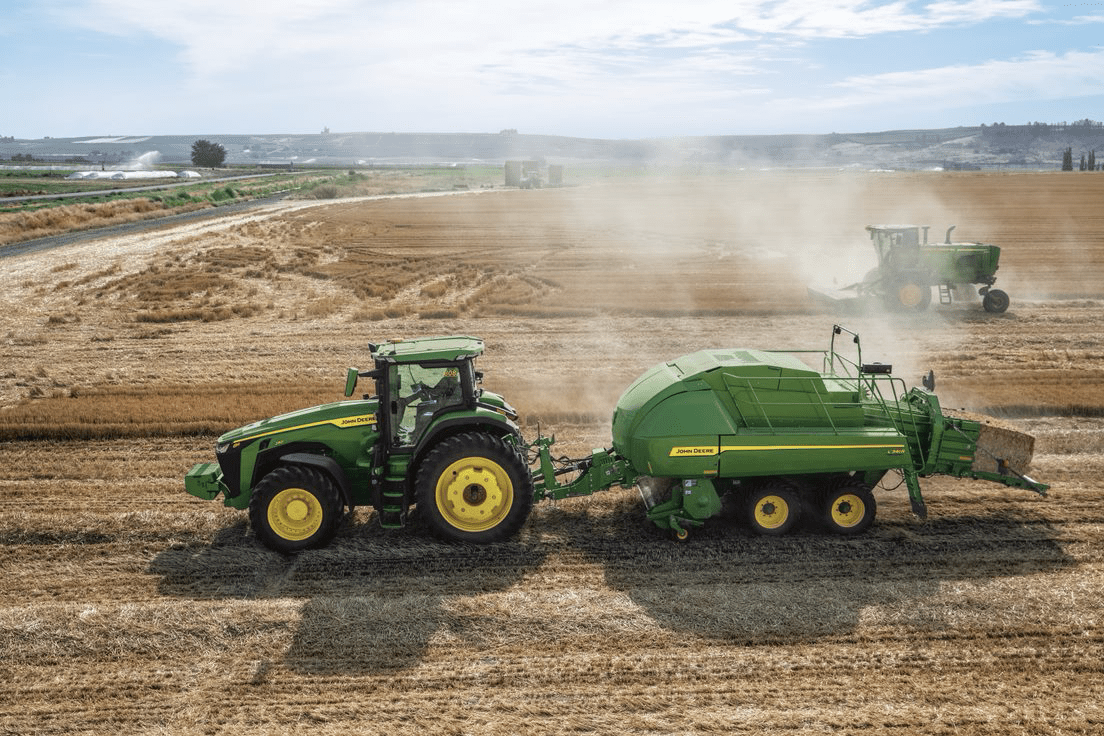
(474, 487)
(773, 509)
(849, 509)
(995, 301)
(295, 507)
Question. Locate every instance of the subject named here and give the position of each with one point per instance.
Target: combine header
(760, 427)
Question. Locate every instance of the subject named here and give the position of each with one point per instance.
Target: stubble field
(130, 607)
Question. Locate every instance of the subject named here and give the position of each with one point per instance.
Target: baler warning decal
(706, 451)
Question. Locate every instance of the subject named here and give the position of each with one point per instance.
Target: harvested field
(131, 607)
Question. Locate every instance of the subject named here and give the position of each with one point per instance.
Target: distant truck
(909, 266)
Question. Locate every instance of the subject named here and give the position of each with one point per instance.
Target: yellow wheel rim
(848, 510)
(910, 295)
(771, 512)
(295, 514)
(474, 494)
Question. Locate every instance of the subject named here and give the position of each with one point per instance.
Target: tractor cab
(418, 381)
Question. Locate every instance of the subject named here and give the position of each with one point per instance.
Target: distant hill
(1035, 146)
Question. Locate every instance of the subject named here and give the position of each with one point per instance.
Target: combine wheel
(909, 295)
(995, 301)
(773, 509)
(295, 507)
(849, 509)
(474, 488)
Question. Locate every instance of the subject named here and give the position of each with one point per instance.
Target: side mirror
(351, 381)
(929, 381)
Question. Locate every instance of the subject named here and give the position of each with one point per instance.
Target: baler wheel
(849, 509)
(295, 507)
(773, 509)
(474, 487)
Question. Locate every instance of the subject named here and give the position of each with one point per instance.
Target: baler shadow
(729, 584)
(374, 598)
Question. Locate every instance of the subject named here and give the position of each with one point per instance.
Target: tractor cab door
(419, 392)
(897, 248)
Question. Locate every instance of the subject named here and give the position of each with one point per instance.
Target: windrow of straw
(138, 411)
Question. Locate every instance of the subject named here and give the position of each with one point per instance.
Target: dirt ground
(130, 607)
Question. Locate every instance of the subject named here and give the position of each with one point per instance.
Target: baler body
(759, 424)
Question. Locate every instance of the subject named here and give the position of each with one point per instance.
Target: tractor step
(392, 506)
(945, 294)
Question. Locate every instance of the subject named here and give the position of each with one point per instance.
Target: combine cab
(909, 267)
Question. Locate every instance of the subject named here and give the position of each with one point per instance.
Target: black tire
(848, 509)
(908, 294)
(773, 509)
(995, 301)
(295, 507)
(474, 487)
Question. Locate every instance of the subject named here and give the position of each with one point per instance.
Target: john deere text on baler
(761, 427)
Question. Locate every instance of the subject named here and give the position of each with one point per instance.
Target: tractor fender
(327, 464)
(447, 428)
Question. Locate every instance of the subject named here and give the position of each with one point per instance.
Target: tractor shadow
(374, 598)
(375, 601)
(727, 583)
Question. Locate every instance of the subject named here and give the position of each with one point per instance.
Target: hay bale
(999, 441)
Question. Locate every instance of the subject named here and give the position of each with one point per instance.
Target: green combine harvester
(909, 267)
(761, 428)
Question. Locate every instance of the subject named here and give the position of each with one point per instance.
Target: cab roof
(425, 349)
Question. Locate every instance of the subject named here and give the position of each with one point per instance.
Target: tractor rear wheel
(295, 507)
(474, 487)
(773, 509)
(849, 509)
(995, 301)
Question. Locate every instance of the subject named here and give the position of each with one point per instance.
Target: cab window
(418, 393)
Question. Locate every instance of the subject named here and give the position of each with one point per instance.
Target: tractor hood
(340, 415)
(499, 404)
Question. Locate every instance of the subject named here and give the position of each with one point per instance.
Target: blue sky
(586, 68)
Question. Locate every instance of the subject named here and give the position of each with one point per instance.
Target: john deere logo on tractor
(354, 421)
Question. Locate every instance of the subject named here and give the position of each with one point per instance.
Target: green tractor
(427, 437)
(909, 266)
(759, 429)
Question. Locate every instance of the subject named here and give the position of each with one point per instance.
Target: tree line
(1088, 163)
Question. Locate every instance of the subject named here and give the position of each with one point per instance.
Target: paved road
(81, 236)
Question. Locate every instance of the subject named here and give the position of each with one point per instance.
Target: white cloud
(1038, 75)
(1081, 20)
(647, 67)
(215, 36)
